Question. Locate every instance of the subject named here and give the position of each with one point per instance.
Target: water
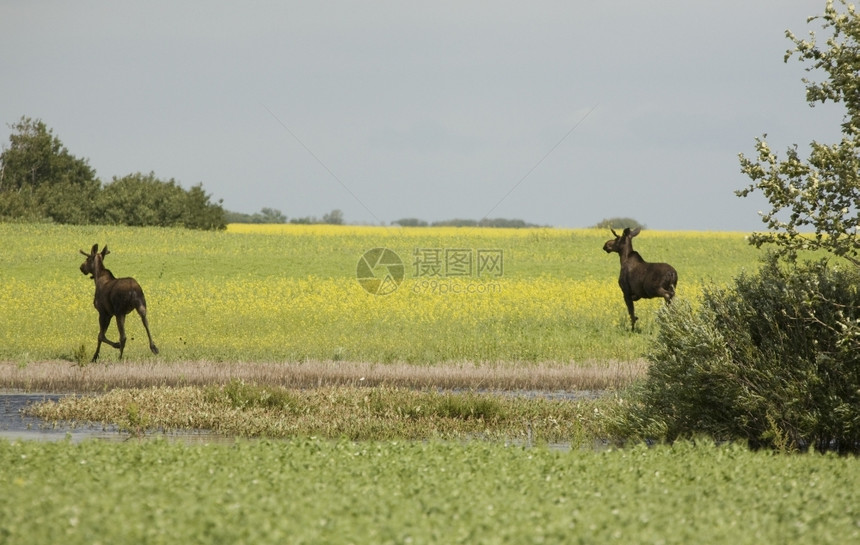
(15, 425)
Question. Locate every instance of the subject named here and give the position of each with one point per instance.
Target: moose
(640, 279)
(114, 297)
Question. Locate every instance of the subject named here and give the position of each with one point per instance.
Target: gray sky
(556, 112)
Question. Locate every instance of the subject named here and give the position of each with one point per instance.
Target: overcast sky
(556, 112)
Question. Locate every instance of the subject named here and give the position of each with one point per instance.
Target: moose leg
(667, 294)
(629, 301)
(120, 325)
(667, 287)
(104, 322)
(142, 311)
(98, 347)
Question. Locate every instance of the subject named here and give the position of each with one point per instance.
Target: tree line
(606, 223)
(458, 222)
(40, 180)
(273, 215)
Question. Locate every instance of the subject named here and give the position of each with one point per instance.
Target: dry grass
(63, 376)
(374, 413)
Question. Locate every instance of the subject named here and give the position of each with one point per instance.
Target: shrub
(142, 199)
(618, 223)
(775, 361)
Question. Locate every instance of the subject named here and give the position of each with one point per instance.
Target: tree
(138, 200)
(265, 215)
(36, 157)
(410, 222)
(821, 194)
(618, 223)
(40, 179)
(335, 217)
(272, 215)
(68, 202)
(199, 213)
(142, 199)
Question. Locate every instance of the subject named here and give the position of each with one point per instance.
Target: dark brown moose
(640, 279)
(114, 297)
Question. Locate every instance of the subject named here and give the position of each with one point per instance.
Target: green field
(290, 293)
(310, 491)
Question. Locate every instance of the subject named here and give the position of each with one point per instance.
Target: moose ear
(635, 232)
(95, 249)
(105, 251)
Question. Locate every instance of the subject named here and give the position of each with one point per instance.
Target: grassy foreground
(291, 293)
(311, 491)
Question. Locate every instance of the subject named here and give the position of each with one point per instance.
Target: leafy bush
(20, 206)
(774, 361)
(142, 199)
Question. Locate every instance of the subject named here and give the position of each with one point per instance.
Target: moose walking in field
(640, 279)
(114, 297)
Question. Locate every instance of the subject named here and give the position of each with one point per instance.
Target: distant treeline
(272, 215)
(611, 223)
(335, 217)
(486, 222)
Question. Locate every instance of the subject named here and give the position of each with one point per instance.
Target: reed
(63, 376)
(239, 409)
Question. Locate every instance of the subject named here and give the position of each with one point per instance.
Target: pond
(15, 425)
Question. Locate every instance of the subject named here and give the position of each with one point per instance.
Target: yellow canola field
(290, 293)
